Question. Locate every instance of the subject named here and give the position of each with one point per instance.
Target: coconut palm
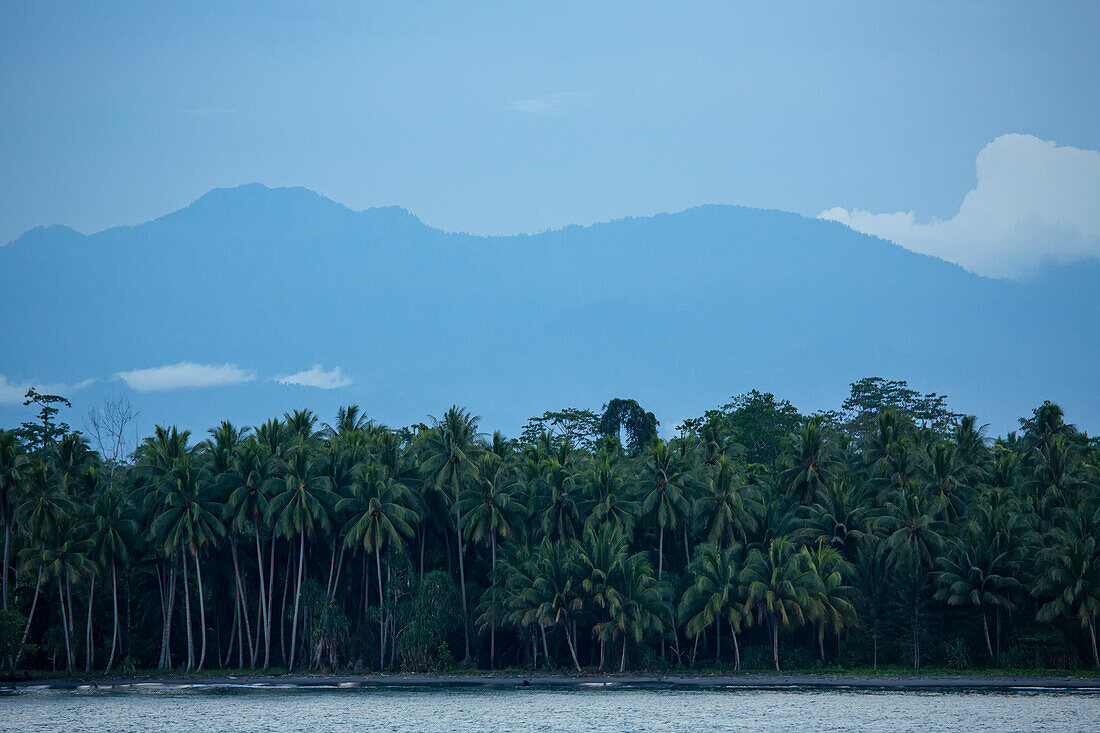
(246, 486)
(114, 533)
(637, 602)
(489, 512)
(595, 559)
(842, 517)
(663, 497)
(810, 464)
(189, 521)
(978, 571)
(611, 499)
(832, 598)
(722, 505)
(1068, 576)
(14, 465)
(380, 517)
(302, 506)
(778, 587)
(551, 599)
(913, 537)
(450, 449)
(715, 596)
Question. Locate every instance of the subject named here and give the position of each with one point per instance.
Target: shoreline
(590, 681)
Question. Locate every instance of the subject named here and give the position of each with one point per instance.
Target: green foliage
(11, 632)
(757, 537)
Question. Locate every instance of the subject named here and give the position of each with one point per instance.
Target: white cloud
(551, 104)
(1034, 203)
(184, 375)
(317, 377)
(12, 393)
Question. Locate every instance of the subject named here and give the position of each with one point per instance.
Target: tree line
(889, 532)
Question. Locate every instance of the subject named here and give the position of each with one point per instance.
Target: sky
(506, 117)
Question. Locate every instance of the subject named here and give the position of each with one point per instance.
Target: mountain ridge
(679, 310)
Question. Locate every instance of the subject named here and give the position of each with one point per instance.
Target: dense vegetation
(890, 532)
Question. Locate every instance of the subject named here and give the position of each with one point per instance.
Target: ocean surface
(156, 708)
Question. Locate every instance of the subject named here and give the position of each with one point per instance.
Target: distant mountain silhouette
(679, 311)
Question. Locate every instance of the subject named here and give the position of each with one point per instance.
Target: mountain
(679, 311)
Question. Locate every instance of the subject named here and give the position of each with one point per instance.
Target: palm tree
(778, 587)
(114, 532)
(664, 496)
(303, 507)
(948, 477)
(612, 504)
(833, 600)
(551, 599)
(1069, 572)
(841, 517)
(810, 464)
(715, 596)
(722, 506)
(246, 487)
(190, 520)
(13, 467)
(637, 602)
(913, 537)
(978, 572)
(489, 512)
(65, 559)
(380, 517)
(594, 561)
(449, 451)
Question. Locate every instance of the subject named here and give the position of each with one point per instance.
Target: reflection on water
(155, 707)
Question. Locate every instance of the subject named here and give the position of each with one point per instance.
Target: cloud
(185, 375)
(317, 377)
(551, 104)
(1034, 203)
(12, 393)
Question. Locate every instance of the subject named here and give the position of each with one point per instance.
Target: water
(154, 709)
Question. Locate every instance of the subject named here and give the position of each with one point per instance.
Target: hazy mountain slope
(678, 310)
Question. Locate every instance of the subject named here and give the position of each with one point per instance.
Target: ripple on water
(250, 707)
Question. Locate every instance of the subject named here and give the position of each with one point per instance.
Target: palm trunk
(821, 645)
(775, 641)
(572, 649)
(493, 624)
(282, 611)
(88, 629)
(736, 649)
(114, 629)
(545, 646)
(270, 593)
(30, 617)
(988, 642)
(331, 568)
(462, 573)
(187, 614)
(717, 642)
(262, 626)
(234, 631)
(7, 546)
(169, 607)
(660, 551)
(622, 660)
(381, 612)
(242, 598)
(339, 569)
(297, 599)
(202, 609)
(1092, 635)
(65, 627)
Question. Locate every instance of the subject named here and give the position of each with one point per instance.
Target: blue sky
(509, 117)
